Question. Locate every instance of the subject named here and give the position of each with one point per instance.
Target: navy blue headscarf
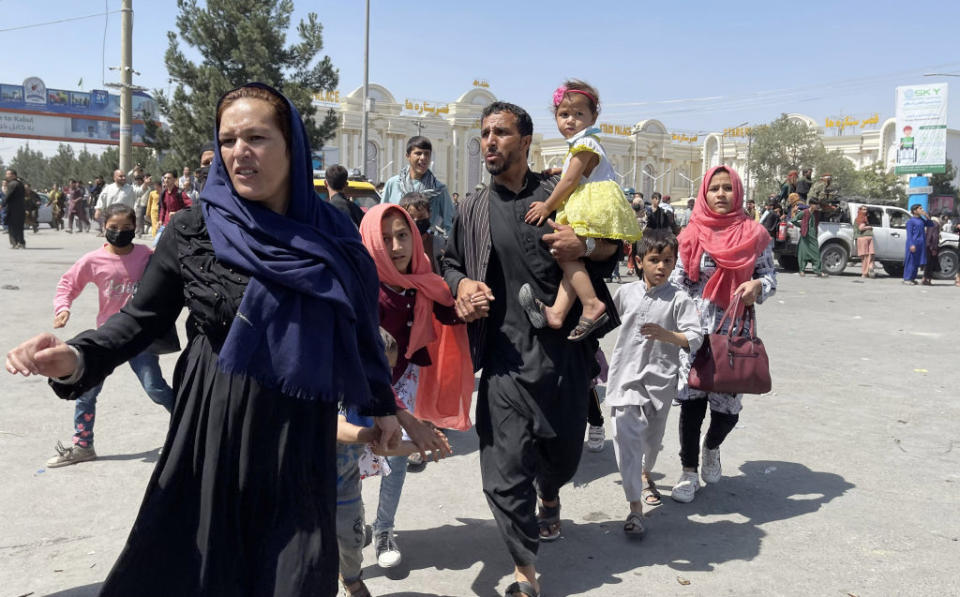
(308, 321)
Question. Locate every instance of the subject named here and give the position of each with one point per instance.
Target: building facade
(453, 129)
(646, 156)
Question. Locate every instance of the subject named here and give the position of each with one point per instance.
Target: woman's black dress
(243, 498)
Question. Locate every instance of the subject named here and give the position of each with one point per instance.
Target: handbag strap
(750, 318)
(747, 319)
(730, 314)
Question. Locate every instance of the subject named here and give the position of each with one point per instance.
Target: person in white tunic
(659, 321)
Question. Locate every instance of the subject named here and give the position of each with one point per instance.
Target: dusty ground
(844, 480)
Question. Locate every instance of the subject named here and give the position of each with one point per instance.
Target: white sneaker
(709, 464)
(595, 438)
(388, 554)
(686, 487)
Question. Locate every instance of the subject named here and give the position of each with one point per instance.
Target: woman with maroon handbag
(723, 253)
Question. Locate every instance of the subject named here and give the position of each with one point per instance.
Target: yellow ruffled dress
(597, 208)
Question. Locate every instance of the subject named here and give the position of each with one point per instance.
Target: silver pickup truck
(838, 246)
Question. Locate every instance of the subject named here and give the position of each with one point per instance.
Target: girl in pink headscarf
(411, 297)
(723, 253)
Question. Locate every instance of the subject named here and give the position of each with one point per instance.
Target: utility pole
(126, 79)
(364, 131)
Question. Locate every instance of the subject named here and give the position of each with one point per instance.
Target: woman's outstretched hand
(42, 355)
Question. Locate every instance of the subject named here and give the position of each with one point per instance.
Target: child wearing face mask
(588, 199)
(115, 269)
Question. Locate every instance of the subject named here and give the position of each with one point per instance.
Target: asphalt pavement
(844, 480)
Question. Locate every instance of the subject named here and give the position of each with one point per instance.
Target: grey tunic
(643, 370)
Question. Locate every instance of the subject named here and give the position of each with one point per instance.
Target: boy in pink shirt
(115, 269)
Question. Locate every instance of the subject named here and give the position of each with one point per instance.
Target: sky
(695, 66)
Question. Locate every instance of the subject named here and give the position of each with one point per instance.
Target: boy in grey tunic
(659, 320)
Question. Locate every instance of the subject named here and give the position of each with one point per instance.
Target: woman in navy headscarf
(283, 324)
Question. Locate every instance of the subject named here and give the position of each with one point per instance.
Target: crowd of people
(327, 344)
(153, 200)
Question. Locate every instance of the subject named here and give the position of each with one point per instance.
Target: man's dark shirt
(347, 208)
(660, 219)
(16, 194)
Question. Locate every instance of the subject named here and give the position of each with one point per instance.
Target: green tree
(240, 41)
(881, 186)
(846, 179)
(63, 165)
(943, 183)
(31, 166)
(777, 148)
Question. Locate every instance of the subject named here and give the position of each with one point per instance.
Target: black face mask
(423, 226)
(119, 238)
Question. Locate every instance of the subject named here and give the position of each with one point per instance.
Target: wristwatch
(591, 246)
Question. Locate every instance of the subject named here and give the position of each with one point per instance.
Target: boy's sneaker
(388, 554)
(686, 487)
(72, 455)
(416, 463)
(709, 464)
(595, 438)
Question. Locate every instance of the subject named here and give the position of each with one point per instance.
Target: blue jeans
(146, 366)
(390, 488)
(349, 512)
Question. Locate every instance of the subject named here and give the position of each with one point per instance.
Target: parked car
(45, 211)
(838, 245)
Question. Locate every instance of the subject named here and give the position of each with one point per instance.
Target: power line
(99, 14)
(103, 47)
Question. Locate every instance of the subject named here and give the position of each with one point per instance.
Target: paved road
(844, 480)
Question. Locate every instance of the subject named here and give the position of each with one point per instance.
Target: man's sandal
(587, 326)
(633, 526)
(548, 520)
(521, 587)
(355, 589)
(533, 307)
(650, 495)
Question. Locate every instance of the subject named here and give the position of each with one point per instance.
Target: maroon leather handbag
(733, 362)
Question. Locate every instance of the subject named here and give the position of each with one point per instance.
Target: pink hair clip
(558, 95)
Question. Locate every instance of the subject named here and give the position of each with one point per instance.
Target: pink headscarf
(733, 240)
(430, 287)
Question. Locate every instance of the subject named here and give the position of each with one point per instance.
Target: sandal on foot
(521, 587)
(548, 519)
(355, 589)
(634, 525)
(587, 326)
(533, 307)
(650, 495)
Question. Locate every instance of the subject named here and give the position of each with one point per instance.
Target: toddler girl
(588, 199)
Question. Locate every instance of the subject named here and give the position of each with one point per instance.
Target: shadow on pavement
(722, 524)
(148, 456)
(463, 442)
(84, 591)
